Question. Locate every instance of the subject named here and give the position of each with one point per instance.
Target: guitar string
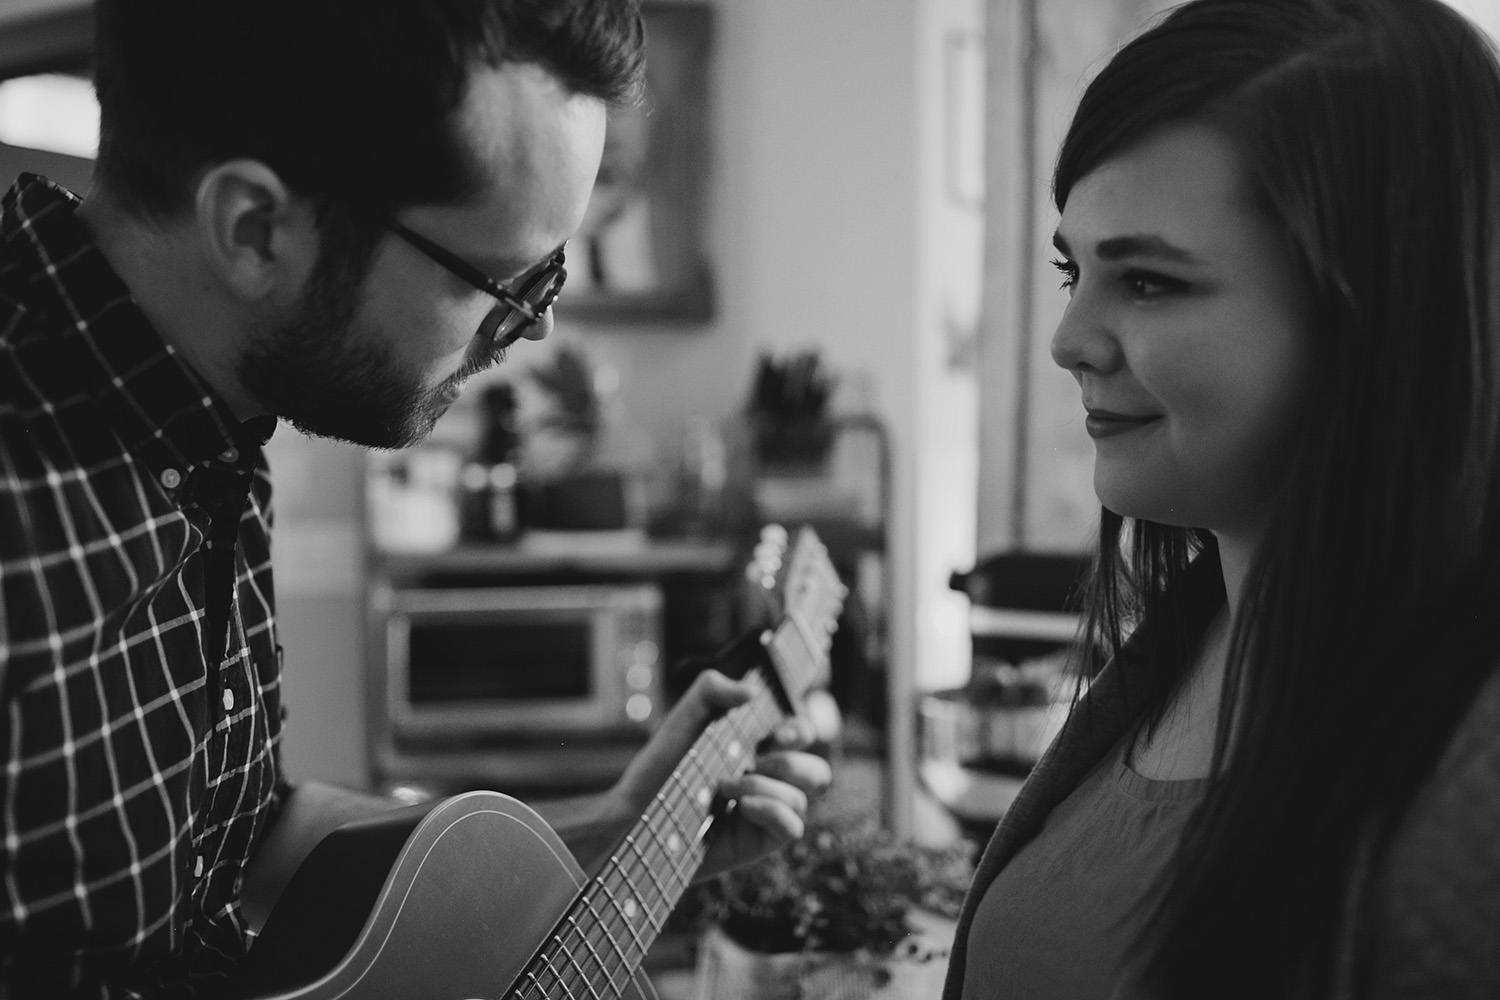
(651, 865)
(681, 866)
(672, 799)
(557, 942)
(696, 812)
(623, 963)
(672, 863)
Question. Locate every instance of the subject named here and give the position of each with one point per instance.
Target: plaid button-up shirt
(140, 713)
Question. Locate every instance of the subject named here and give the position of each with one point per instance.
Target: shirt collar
(160, 408)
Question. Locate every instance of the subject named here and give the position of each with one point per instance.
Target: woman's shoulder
(1466, 779)
(1437, 893)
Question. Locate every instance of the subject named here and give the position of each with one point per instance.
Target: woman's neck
(1182, 745)
(1236, 552)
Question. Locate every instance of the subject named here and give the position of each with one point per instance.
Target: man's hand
(771, 799)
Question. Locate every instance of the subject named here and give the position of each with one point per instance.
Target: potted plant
(789, 411)
(845, 912)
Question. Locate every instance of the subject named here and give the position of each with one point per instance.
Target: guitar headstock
(810, 597)
(766, 573)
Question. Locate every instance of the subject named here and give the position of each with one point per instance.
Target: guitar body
(446, 904)
(478, 898)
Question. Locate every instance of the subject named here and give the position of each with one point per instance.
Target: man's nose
(1085, 340)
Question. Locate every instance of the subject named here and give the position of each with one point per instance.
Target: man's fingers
(753, 786)
(808, 772)
(776, 807)
(794, 734)
(710, 693)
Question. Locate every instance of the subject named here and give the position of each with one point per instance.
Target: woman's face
(1187, 330)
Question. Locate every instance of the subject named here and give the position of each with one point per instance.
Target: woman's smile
(1107, 423)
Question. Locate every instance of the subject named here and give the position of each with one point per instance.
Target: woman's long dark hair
(1370, 131)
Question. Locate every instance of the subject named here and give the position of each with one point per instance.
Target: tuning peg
(775, 534)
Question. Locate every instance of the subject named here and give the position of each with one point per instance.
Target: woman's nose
(1084, 340)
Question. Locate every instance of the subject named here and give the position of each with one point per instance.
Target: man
(331, 212)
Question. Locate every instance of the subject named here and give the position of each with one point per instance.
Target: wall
(951, 212)
(1485, 12)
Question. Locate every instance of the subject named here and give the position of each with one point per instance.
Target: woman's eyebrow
(1134, 245)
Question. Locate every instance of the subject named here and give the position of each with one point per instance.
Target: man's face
(377, 358)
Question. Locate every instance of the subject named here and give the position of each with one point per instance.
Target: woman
(1280, 232)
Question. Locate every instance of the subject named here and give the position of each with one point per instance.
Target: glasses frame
(514, 301)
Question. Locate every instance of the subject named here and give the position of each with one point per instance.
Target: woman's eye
(1147, 284)
(1069, 271)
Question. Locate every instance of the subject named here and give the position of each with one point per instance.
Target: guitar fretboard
(615, 919)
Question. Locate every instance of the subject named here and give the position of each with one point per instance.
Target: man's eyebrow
(1134, 245)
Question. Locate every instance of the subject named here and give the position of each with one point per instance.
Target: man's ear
(257, 236)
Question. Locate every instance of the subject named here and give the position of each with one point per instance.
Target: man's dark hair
(349, 101)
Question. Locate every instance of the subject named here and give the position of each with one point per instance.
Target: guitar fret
(640, 945)
(661, 891)
(635, 893)
(594, 953)
(704, 779)
(730, 751)
(683, 791)
(687, 820)
(704, 783)
(577, 968)
(687, 825)
(742, 733)
(673, 842)
(556, 978)
(604, 924)
(677, 843)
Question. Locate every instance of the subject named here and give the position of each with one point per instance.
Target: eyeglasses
(520, 306)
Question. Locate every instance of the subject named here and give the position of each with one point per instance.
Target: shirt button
(228, 700)
(229, 455)
(171, 479)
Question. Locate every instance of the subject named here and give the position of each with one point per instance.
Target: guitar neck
(607, 931)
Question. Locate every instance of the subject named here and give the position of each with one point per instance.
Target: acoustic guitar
(478, 899)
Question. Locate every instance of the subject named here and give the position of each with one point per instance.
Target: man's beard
(314, 371)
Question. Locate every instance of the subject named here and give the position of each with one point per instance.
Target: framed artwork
(640, 254)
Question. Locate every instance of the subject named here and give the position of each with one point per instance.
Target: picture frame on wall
(640, 255)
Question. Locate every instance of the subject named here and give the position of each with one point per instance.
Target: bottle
(474, 502)
(496, 460)
(504, 520)
(499, 440)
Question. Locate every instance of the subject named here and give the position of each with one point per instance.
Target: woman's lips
(1107, 423)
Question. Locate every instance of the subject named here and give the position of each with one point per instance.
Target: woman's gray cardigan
(1424, 922)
